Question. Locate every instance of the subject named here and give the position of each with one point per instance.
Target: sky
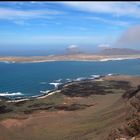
(52, 26)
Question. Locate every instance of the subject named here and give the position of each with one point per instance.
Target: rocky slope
(101, 109)
(130, 130)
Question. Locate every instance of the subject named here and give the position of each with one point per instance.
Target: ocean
(31, 79)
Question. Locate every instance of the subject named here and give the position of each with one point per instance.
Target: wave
(11, 94)
(55, 84)
(59, 80)
(80, 78)
(111, 59)
(45, 91)
(110, 74)
(68, 80)
(95, 76)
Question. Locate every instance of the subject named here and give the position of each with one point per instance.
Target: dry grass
(92, 123)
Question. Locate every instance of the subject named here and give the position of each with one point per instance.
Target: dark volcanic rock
(52, 107)
(132, 126)
(4, 98)
(72, 107)
(87, 88)
(131, 92)
(4, 109)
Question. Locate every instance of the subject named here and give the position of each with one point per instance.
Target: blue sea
(31, 79)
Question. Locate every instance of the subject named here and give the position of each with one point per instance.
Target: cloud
(130, 38)
(73, 49)
(111, 22)
(48, 39)
(130, 9)
(20, 22)
(77, 28)
(11, 14)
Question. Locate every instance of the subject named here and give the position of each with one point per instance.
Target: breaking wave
(111, 59)
(80, 78)
(46, 91)
(59, 80)
(11, 94)
(95, 76)
(55, 84)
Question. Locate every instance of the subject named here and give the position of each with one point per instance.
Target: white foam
(111, 59)
(55, 84)
(59, 80)
(45, 91)
(68, 80)
(80, 78)
(95, 76)
(105, 59)
(10, 94)
(110, 74)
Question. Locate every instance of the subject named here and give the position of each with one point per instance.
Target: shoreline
(33, 97)
(56, 89)
(79, 57)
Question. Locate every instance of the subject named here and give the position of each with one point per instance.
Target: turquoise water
(31, 78)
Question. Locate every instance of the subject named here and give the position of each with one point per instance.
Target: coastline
(92, 104)
(46, 93)
(57, 89)
(35, 97)
(78, 57)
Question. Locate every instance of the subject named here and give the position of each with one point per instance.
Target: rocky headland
(106, 108)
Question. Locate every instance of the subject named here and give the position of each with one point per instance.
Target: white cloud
(116, 8)
(75, 28)
(73, 49)
(40, 39)
(21, 22)
(11, 14)
(107, 21)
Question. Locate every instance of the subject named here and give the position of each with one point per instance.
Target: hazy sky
(33, 24)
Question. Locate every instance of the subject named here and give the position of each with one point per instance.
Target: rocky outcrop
(52, 107)
(87, 88)
(130, 130)
(4, 109)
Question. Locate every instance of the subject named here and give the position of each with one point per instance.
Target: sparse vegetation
(84, 110)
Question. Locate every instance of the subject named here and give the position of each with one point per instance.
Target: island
(66, 57)
(72, 54)
(104, 108)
